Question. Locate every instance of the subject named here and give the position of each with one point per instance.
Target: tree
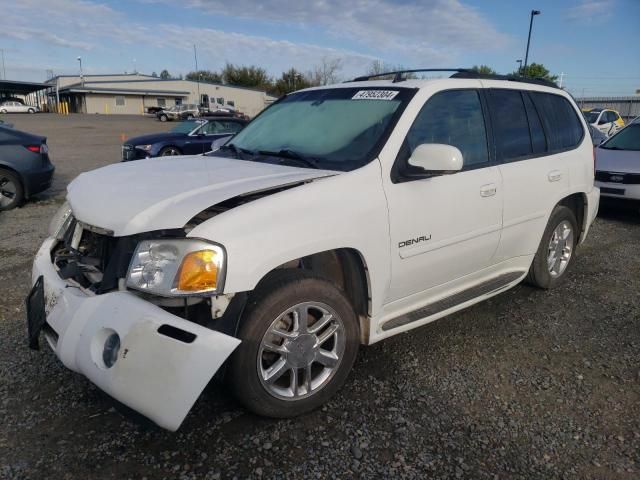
(378, 66)
(243, 76)
(289, 81)
(164, 74)
(326, 72)
(484, 69)
(204, 76)
(537, 70)
(154, 74)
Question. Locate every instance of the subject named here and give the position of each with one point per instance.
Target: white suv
(340, 216)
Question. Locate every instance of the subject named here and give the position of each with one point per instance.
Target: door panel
(445, 227)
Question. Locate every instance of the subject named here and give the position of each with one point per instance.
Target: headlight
(60, 221)
(177, 267)
(146, 148)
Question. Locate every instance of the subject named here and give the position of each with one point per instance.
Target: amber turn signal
(199, 271)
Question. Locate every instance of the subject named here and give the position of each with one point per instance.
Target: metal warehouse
(134, 93)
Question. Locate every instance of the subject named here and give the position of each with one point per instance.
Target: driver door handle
(488, 190)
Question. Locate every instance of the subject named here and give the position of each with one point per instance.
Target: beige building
(134, 93)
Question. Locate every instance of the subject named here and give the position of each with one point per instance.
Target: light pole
(81, 76)
(4, 72)
(526, 55)
(519, 62)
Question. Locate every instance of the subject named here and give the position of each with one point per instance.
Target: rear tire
(11, 191)
(3, 111)
(556, 250)
(163, 118)
(31, 110)
(300, 337)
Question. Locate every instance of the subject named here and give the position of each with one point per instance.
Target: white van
(340, 216)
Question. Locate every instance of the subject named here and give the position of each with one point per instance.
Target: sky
(594, 43)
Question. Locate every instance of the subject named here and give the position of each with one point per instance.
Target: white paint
(421, 241)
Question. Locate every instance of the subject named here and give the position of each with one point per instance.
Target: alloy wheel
(560, 249)
(7, 191)
(301, 351)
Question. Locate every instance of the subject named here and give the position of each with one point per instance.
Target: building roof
(77, 88)
(21, 88)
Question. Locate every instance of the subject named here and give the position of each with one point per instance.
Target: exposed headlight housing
(177, 267)
(146, 148)
(60, 222)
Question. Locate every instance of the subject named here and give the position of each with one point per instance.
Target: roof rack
(398, 76)
(510, 78)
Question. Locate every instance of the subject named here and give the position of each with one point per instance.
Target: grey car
(25, 168)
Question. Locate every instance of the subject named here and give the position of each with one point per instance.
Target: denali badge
(413, 241)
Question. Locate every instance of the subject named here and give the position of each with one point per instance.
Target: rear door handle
(488, 190)
(554, 175)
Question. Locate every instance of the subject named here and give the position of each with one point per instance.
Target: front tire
(300, 338)
(31, 110)
(163, 118)
(556, 251)
(11, 191)
(169, 151)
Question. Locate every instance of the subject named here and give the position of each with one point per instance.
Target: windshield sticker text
(375, 95)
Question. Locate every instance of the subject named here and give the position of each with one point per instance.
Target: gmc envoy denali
(340, 216)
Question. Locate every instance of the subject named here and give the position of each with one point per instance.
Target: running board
(454, 300)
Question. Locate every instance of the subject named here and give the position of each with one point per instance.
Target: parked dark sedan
(190, 137)
(25, 168)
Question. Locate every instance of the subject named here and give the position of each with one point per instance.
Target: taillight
(42, 148)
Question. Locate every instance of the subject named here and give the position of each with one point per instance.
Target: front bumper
(157, 375)
(625, 191)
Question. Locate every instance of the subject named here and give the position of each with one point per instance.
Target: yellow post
(66, 108)
(106, 109)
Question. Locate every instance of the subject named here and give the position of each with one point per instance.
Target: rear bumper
(156, 374)
(37, 181)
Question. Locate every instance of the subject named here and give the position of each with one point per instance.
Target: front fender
(343, 211)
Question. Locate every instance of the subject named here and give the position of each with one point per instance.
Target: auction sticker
(375, 95)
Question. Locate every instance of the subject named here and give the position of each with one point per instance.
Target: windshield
(592, 116)
(185, 127)
(338, 128)
(627, 139)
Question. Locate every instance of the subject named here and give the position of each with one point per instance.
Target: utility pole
(561, 77)
(4, 72)
(195, 56)
(81, 76)
(526, 55)
(519, 62)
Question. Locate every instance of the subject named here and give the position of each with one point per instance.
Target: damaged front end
(151, 352)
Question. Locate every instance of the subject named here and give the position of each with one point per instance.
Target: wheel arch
(578, 203)
(345, 267)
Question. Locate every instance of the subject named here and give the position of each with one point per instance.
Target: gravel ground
(529, 384)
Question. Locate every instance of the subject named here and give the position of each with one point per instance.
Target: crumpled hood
(164, 193)
(623, 161)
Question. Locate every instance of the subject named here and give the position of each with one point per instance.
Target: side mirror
(218, 142)
(435, 159)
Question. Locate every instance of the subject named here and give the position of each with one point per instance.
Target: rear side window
(510, 124)
(454, 118)
(564, 130)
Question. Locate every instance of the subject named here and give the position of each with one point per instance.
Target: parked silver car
(17, 107)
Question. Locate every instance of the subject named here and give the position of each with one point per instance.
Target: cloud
(590, 11)
(421, 29)
(430, 33)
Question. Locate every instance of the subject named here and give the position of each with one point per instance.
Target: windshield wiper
(236, 150)
(291, 155)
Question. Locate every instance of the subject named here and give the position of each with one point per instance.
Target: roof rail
(510, 78)
(397, 74)
(458, 73)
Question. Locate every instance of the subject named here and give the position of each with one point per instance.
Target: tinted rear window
(564, 130)
(511, 127)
